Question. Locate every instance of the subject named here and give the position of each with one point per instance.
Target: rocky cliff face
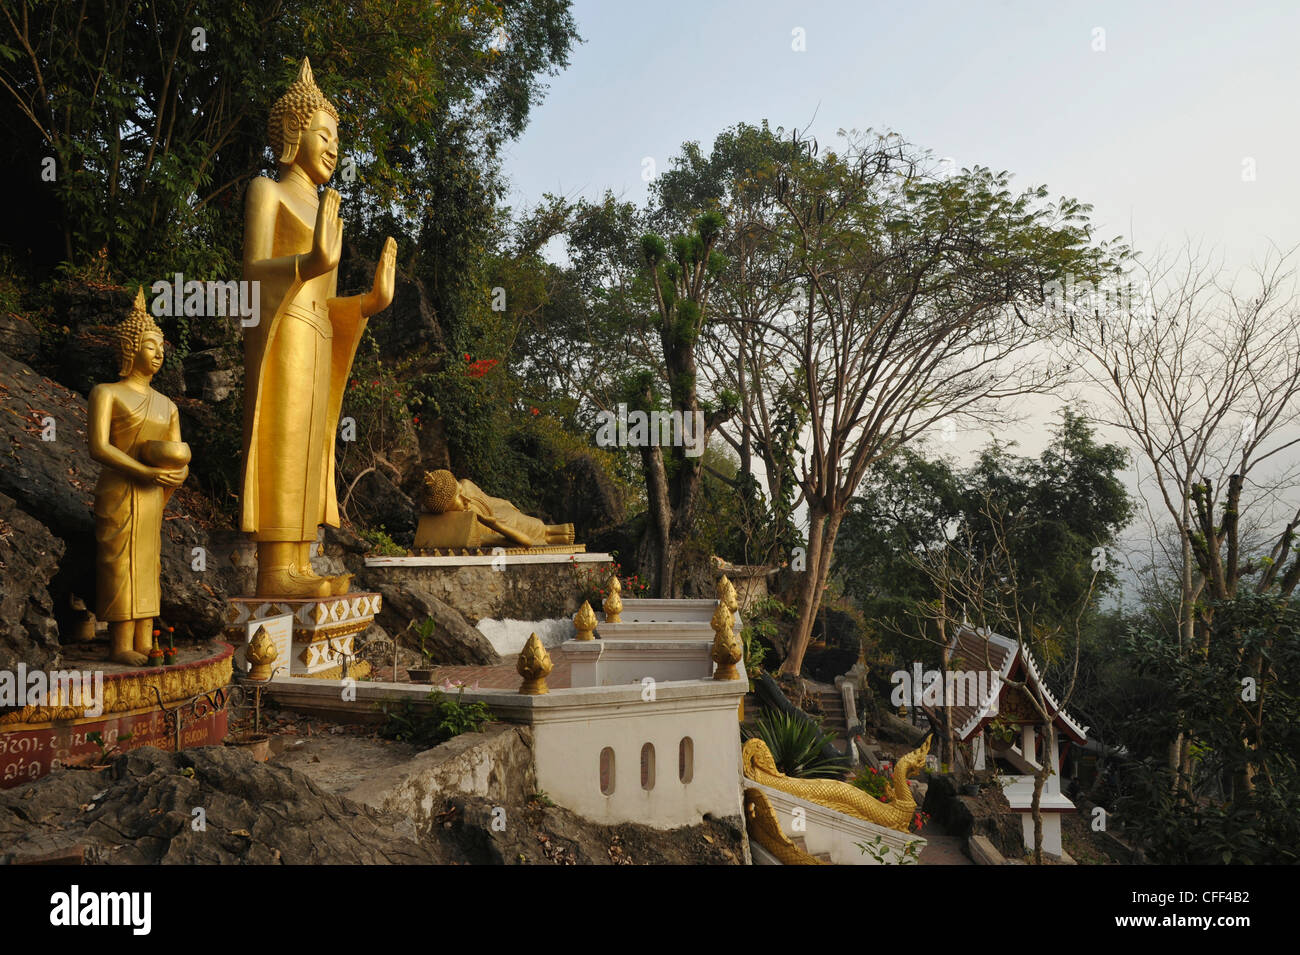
(142, 810)
(29, 557)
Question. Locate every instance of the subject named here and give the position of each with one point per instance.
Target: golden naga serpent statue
(759, 766)
(765, 829)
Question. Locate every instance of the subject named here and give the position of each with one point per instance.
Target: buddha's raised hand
(381, 292)
(327, 238)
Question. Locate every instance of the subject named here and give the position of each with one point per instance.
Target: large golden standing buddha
(298, 356)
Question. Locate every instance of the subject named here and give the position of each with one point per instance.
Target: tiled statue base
(324, 629)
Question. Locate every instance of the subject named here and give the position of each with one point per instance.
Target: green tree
(155, 112)
(1068, 502)
(912, 293)
(1238, 705)
(755, 286)
(682, 274)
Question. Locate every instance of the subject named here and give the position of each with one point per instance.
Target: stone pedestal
(175, 706)
(324, 629)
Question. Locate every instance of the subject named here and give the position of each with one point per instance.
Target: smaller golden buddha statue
(460, 514)
(135, 435)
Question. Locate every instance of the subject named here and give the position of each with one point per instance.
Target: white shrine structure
(1039, 739)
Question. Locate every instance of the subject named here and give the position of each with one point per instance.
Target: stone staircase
(753, 710)
(802, 842)
(832, 716)
(834, 723)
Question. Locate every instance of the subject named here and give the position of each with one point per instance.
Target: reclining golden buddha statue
(458, 514)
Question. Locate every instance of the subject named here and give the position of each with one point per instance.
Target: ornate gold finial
(727, 651)
(727, 593)
(614, 603)
(293, 111)
(132, 332)
(261, 654)
(584, 621)
(533, 665)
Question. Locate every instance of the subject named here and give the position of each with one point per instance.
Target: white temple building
(1039, 739)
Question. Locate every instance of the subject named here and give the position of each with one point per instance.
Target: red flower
(535, 411)
(467, 356)
(481, 367)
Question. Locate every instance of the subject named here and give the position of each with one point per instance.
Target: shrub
(873, 782)
(796, 745)
(381, 543)
(445, 718)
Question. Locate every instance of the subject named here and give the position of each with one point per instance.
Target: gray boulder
(141, 810)
(453, 640)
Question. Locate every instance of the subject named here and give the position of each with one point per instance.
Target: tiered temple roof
(980, 649)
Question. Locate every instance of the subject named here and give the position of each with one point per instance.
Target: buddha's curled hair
(132, 332)
(440, 490)
(293, 111)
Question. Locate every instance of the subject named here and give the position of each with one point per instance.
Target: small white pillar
(1051, 832)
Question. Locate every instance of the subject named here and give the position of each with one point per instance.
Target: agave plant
(796, 746)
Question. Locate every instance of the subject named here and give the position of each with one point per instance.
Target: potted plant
(257, 745)
(155, 652)
(423, 631)
(169, 654)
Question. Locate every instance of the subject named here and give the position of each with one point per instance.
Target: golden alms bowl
(165, 454)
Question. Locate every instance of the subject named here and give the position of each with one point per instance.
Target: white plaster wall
(625, 662)
(658, 609)
(567, 749)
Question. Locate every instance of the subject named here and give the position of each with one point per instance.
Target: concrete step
(802, 843)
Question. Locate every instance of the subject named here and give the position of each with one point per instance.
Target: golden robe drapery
(128, 516)
(296, 366)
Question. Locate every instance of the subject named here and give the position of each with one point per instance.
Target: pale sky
(1155, 130)
(1176, 121)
